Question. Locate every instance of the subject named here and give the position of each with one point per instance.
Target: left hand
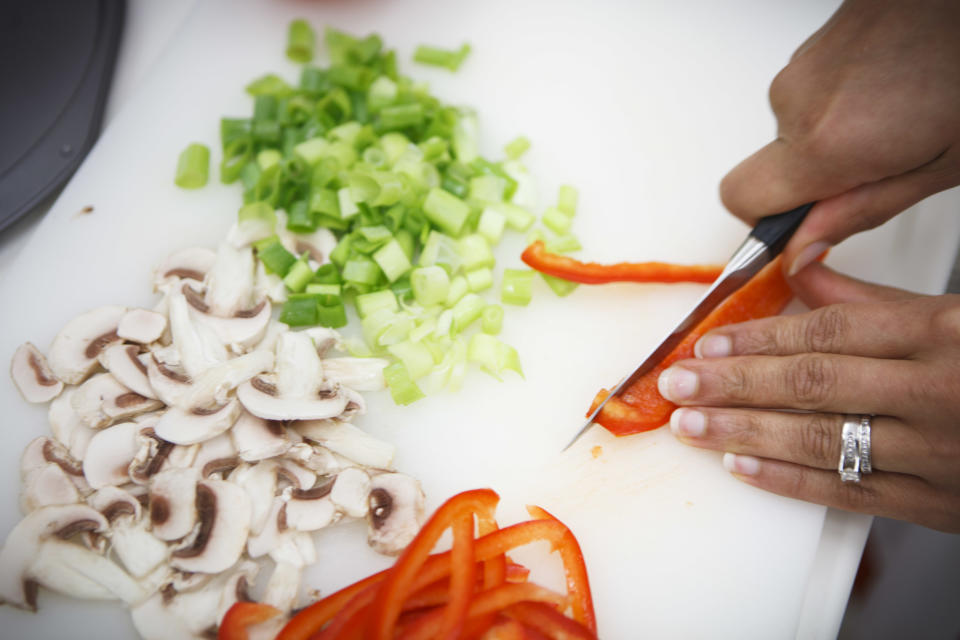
(865, 349)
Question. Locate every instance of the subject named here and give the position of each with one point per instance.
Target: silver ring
(849, 466)
(866, 464)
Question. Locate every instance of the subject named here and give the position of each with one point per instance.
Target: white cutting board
(643, 106)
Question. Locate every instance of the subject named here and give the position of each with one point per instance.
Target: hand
(891, 353)
(868, 114)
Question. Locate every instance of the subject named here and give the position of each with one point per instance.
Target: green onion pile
(395, 174)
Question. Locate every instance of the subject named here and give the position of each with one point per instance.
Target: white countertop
(150, 25)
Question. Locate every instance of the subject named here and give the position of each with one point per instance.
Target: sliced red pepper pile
(641, 407)
(537, 257)
(466, 592)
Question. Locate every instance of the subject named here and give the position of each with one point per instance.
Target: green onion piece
(475, 252)
(556, 220)
(193, 167)
(377, 234)
(446, 210)
(487, 188)
(434, 56)
(357, 347)
(392, 259)
(299, 310)
(518, 218)
(270, 84)
(362, 270)
(465, 143)
(567, 199)
(516, 147)
(327, 274)
(430, 285)
(260, 211)
(394, 145)
(300, 219)
(560, 287)
(402, 387)
(479, 279)
(517, 286)
(341, 252)
(300, 41)
(493, 355)
(563, 243)
(458, 289)
(274, 256)
(369, 303)
(298, 276)
(333, 315)
(323, 289)
(324, 202)
(382, 93)
(491, 319)
(268, 157)
(348, 208)
(466, 311)
(491, 225)
(312, 150)
(401, 116)
(440, 250)
(415, 356)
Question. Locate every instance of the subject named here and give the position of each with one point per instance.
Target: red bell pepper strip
(463, 579)
(510, 629)
(400, 580)
(548, 621)
(641, 407)
(311, 619)
(243, 615)
(537, 257)
(351, 621)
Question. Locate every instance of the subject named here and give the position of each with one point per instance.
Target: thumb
(818, 285)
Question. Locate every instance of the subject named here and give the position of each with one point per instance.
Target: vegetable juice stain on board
(596, 451)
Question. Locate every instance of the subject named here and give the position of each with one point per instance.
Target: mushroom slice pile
(192, 443)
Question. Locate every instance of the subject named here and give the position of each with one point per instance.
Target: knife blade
(764, 243)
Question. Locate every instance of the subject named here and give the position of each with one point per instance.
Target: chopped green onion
(430, 285)
(556, 220)
(567, 199)
(517, 286)
(270, 84)
(425, 54)
(516, 147)
(369, 303)
(257, 211)
(298, 276)
(491, 225)
(560, 286)
(465, 137)
(324, 202)
(274, 256)
(299, 310)
(466, 311)
(458, 289)
(401, 116)
(268, 157)
(475, 252)
(563, 244)
(327, 274)
(348, 208)
(402, 387)
(441, 250)
(479, 279)
(517, 217)
(487, 188)
(300, 219)
(491, 319)
(392, 259)
(193, 167)
(493, 355)
(446, 210)
(415, 356)
(361, 269)
(333, 315)
(323, 289)
(382, 93)
(300, 41)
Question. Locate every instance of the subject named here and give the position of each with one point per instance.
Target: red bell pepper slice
(242, 615)
(463, 579)
(400, 580)
(537, 257)
(548, 621)
(641, 407)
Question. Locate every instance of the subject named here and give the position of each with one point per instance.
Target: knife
(765, 242)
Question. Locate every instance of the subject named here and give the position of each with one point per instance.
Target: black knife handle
(774, 231)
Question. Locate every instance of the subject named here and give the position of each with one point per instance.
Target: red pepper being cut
(537, 257)
(641, 407)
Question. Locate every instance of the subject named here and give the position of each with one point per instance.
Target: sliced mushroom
(324, 462)
(229, 283)
(295, 475)
(48, 485)
(311, 509)
(173, 509)
(79, 572)
(351, 491)
(258, 439)
(67, 426)
(33, 376)
(129, 367)
(349, 441)
(142, 326)
(213, 386)
(396, 512)
(22, 547)
(271, 535)
(359, 374)
(269, 285)
(260, 482)
(102, 400)
(43, 451)
(138, 550)
(151, 457)
(109, 455)
(223, 511)
(241, 329)
(198, 347)
(73, 352)
(294, 553)
(216, 456)
(186, 264)
(168, 379)
(189, 427)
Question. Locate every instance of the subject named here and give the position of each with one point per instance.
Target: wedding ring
(866, 464)
(850, 459)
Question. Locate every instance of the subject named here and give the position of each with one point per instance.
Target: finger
(891, 332)
(818, 285)
(811, 439)
(891, 495)
(811, 381)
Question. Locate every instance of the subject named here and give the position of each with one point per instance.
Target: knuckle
(826, 330)
(736, 383)
(759, 341)
(816, 438)
(745, 430)
(810, 380)
(945, 321)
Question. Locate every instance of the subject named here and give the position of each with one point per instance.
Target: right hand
(868, 114)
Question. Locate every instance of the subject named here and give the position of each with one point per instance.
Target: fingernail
(713, 347)
(688, 422)
(677, 383)
(742, 465)
(810, 253)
